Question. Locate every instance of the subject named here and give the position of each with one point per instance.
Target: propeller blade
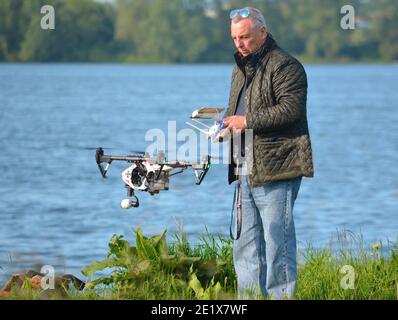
(137, 152)
(95, 148)
(89, 147)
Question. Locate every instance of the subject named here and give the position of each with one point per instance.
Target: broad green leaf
(194, 283)
(142, 267)
(119, 247)
(145, 248)
(96, 282)
(160, 244)
(100, 265)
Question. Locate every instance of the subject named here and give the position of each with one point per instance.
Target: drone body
(148, 175)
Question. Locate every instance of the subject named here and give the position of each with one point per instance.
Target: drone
(147, 174)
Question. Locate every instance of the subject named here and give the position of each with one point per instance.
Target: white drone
(147, 174)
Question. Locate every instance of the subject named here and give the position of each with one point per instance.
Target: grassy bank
(153, 269)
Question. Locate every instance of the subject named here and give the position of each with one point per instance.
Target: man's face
(247, 37)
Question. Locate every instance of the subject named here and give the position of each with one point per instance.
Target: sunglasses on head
(244, 13)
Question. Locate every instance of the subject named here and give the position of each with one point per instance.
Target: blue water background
(56, 209)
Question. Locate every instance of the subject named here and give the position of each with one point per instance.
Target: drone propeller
(103, 148)
(160, 155)
(92, 148)
(204, 158)
(137, 152)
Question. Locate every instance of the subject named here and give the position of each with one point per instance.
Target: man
(268, 96)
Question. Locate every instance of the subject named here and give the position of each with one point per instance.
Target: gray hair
(255, 16)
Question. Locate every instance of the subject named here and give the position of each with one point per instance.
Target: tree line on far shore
(192, 31)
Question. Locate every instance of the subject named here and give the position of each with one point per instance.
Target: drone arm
(201, 176)
(100, 157)
(104, 170)
(204, 169)
(177, 172)
(160, 171)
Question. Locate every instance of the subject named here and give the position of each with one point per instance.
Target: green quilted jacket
(275, 109)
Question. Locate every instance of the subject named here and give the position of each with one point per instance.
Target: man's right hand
(235, 122)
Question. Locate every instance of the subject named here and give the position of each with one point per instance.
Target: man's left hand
(235, 122)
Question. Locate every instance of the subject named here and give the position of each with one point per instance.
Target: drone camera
(129, 203)
(161, 183)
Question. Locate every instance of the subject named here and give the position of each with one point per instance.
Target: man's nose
(239, 43)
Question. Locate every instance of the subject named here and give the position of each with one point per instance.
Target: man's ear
(264, 32)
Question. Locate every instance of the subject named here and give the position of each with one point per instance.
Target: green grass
(153, 269)
(370, 274)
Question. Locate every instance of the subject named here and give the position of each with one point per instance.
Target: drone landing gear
(131, 202)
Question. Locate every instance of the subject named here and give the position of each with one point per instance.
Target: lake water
(56, 209)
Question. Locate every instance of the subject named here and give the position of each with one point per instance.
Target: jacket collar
(251, 60)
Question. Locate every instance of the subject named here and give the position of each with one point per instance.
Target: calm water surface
(55, 209)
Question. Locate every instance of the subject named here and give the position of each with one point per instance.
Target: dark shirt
(240, 111)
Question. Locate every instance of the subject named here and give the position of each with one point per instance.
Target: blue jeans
(265, 253)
